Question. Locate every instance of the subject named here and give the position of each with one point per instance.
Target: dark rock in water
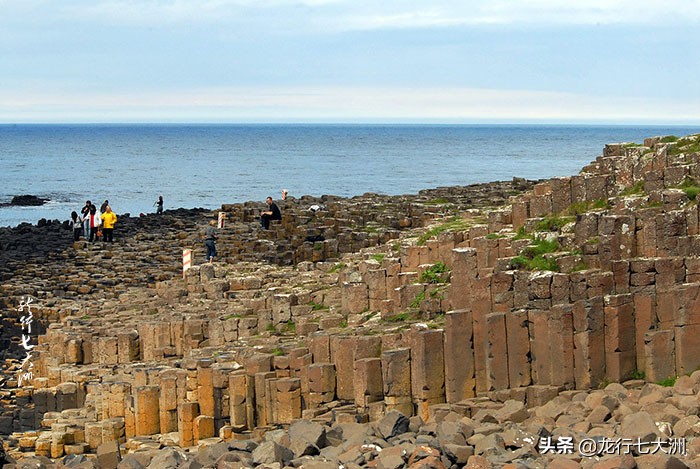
(27, 200)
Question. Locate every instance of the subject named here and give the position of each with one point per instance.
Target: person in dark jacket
(210, 236)
(272, 213)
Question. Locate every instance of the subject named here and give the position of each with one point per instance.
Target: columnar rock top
(484, 322)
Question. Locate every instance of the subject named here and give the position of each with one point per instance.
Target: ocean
(207, 165)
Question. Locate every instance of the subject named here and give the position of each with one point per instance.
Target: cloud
(344, 15)
(338, 104)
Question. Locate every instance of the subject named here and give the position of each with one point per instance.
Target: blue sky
(626, 61)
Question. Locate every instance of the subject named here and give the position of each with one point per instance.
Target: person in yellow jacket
(108, 221)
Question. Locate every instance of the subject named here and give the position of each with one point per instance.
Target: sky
(420, 61)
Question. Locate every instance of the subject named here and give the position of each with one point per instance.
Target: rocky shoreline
(413, 331)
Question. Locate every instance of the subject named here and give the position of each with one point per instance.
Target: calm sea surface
(207, 165)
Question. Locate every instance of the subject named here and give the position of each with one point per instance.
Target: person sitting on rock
(272, 213)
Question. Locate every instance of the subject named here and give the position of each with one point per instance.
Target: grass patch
(668, 382)
(232, 316)
(533, 256)
(418, 300)
(669, 139)
(637, 374)
(495, 236)
(456, 224)
(401, 317)
(317, 306)
(578, 208)
(270, 328)
(553, 223)
(521, 234)
(685, 145)
(437, 201)
(579, 266)
(378, 257)
(434, 273)
(278, 352)
(288, 327)
(691, 188)
(635, 189)
(337, 267)
(438, 293)
(343, 323)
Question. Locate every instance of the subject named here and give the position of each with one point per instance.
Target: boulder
(28, 200)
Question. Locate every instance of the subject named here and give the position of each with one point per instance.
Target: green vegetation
(343, 323)
(317, 306)
(231, 316)
(586, 206)
(669, 139)
(668, 382)
(456, 224)
(418, 300)
(378, 257)
(685, 145)
(495, 236)
(438, 293)
(553, 223)
(579, 266)
(521, 234)
(434, 273)
(690, 187)
(437, 201)
(289, 327)
(270, 328)
(637, 374)
(604, 383)
(635, 189)
(337, 267)
(401, 317)
(533, 257)
(278, 352)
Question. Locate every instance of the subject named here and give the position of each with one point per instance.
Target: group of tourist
(266, 216)
(94, 224)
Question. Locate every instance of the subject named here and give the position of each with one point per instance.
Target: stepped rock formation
(477, 326)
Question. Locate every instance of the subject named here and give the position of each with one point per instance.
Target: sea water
(207, 165)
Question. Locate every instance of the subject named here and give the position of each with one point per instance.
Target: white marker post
(186, 260)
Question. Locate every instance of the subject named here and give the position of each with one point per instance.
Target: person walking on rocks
(159, 205)
(85, 216)
(95, 221)
(272, 213)
(210, 237)
(108, 221)
(77, 224)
